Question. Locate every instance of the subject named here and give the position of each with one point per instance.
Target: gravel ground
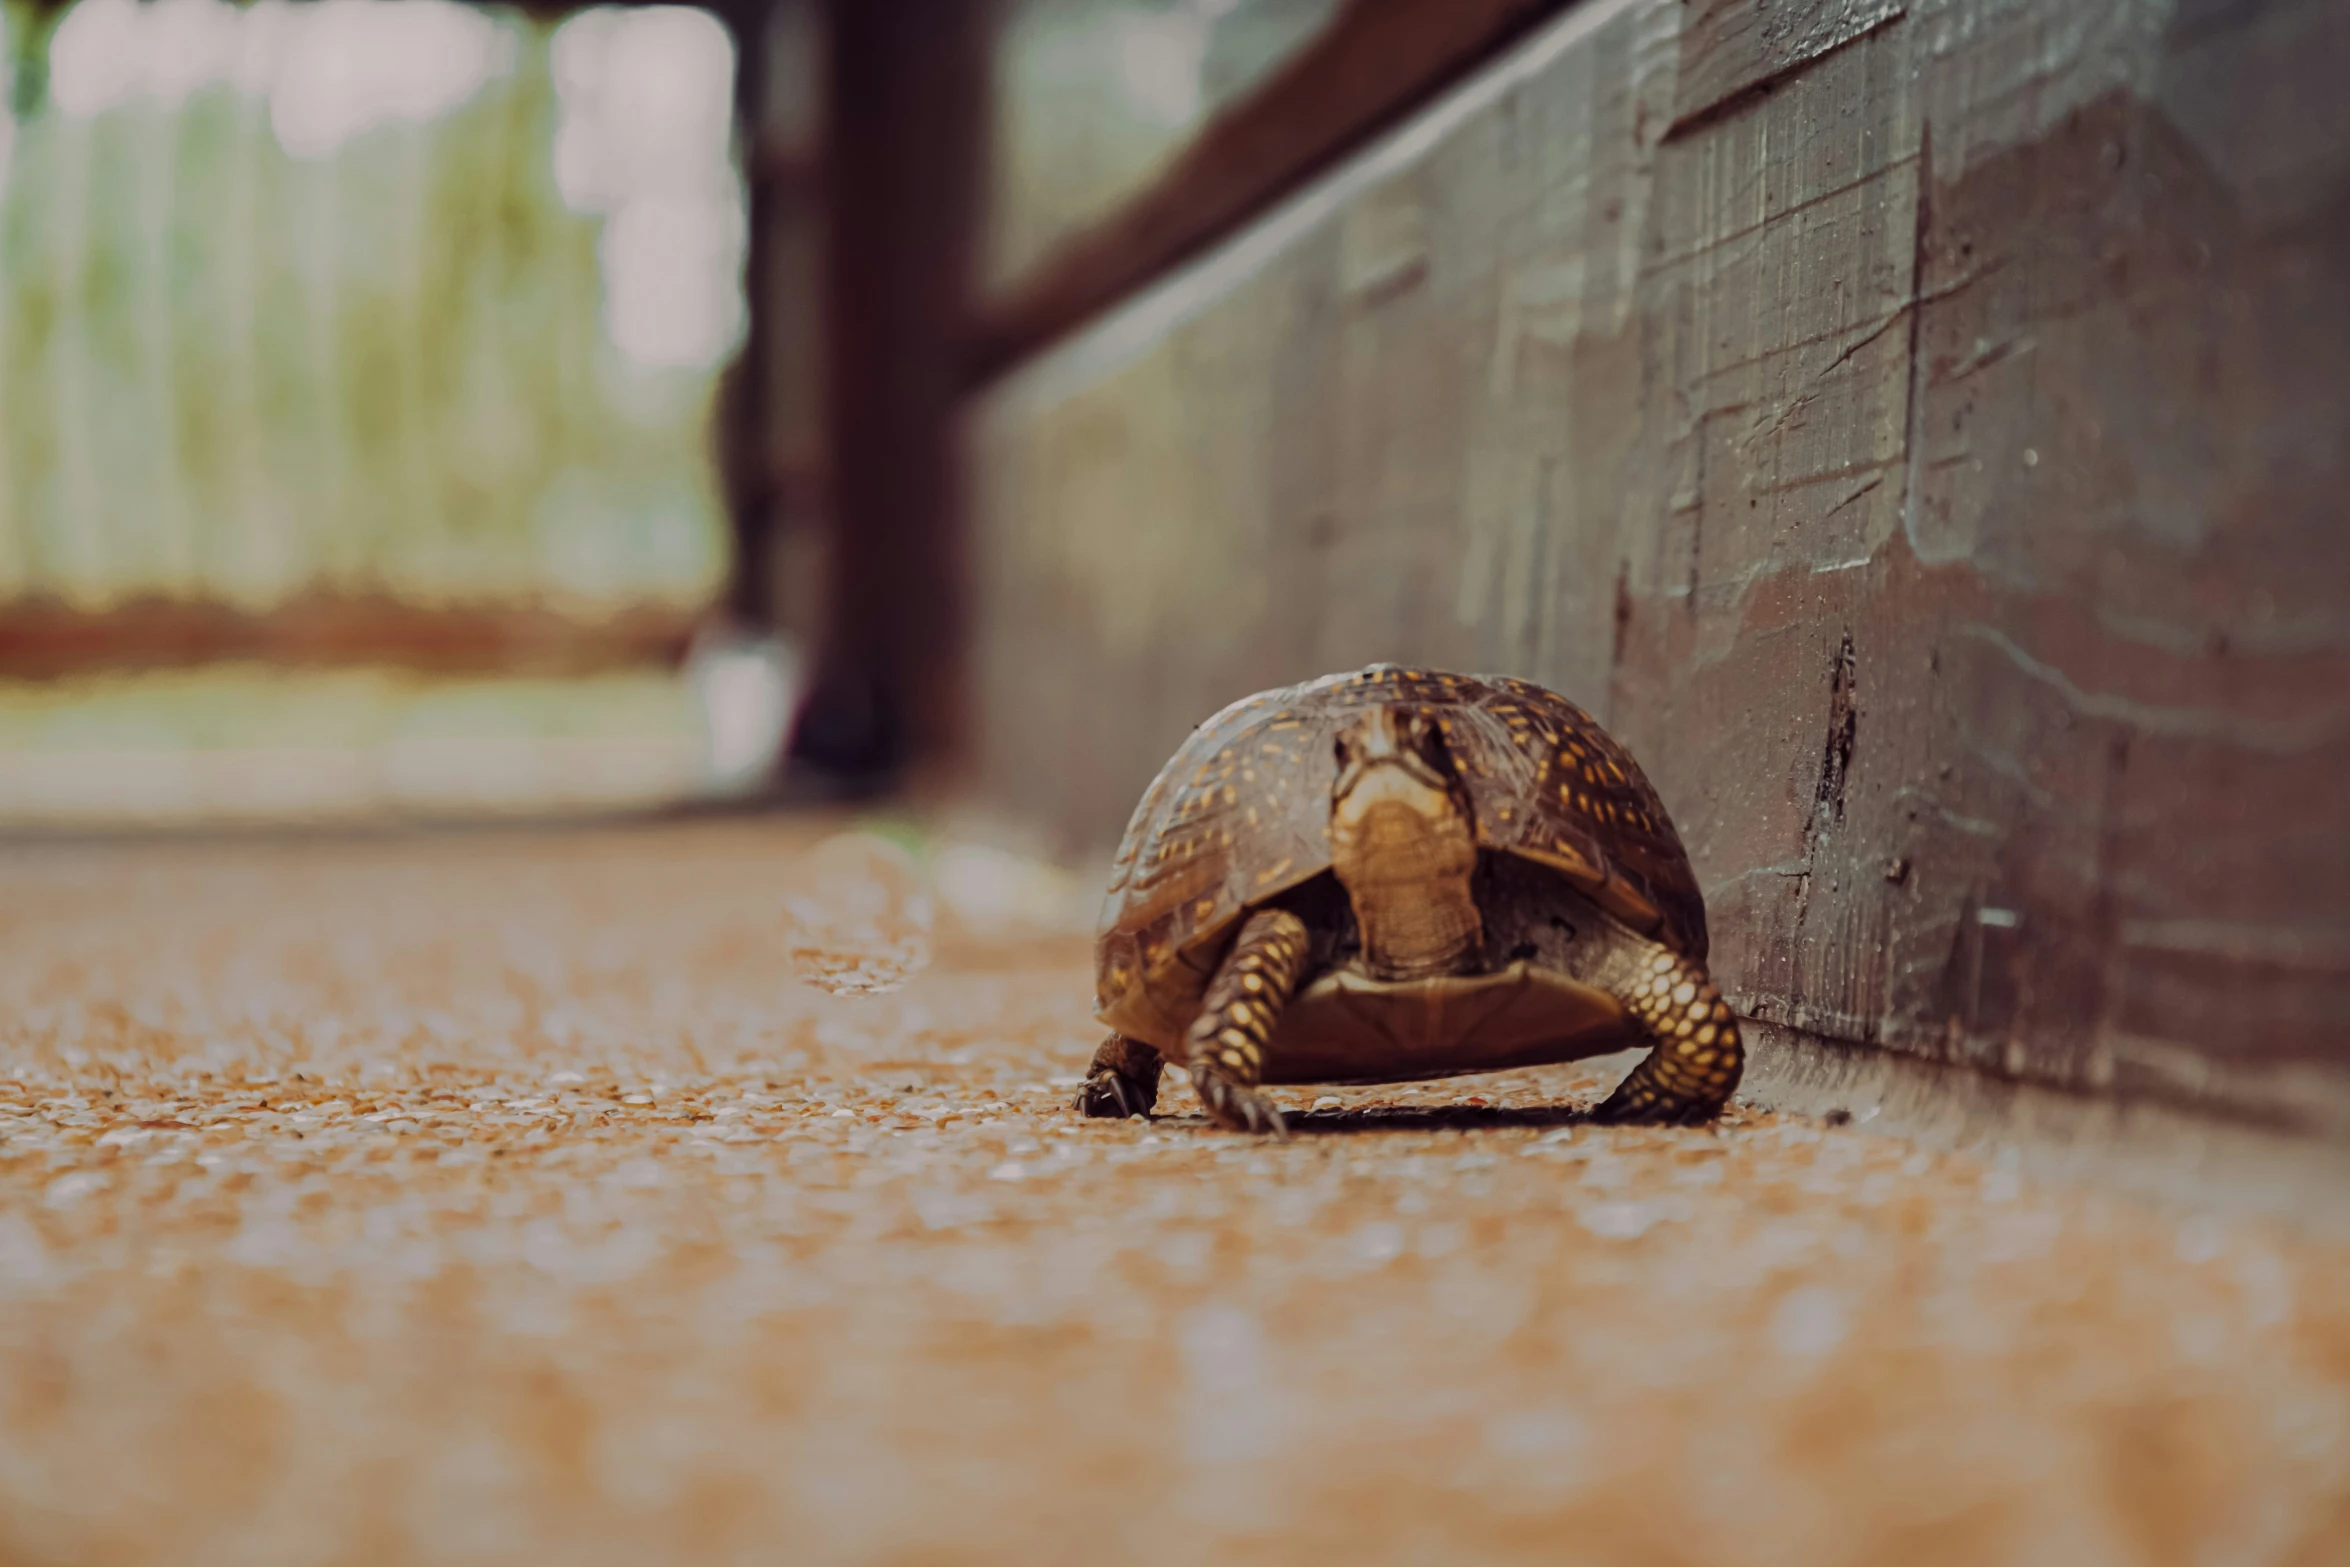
(494, 1197)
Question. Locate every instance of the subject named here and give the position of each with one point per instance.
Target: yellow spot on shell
(1683, 993)
(1686, 1047)
(1705, 1035)
(1697, 1011)
(1662, 962)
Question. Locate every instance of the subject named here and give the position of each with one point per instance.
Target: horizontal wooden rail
(1376, 62)
(44, 639)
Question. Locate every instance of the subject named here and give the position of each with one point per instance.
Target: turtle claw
(1113, 1096)
(1650, 1109)
(1237, 1107)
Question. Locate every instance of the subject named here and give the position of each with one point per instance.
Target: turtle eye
(1428, 740)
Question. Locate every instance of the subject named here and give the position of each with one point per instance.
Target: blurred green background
(333, 296)
(364, 363)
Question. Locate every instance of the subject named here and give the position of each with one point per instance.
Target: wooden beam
(905, 96)
(1376, 62)
(746, 416)
(44, 639)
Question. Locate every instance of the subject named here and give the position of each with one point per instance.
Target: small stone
(1378, 1243)
(1619, 1221)
(1808, 1323)
(67, 1190)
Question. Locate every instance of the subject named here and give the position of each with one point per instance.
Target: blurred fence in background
(374, 332)
(392, 298)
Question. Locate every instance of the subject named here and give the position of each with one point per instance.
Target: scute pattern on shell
(1240, 814)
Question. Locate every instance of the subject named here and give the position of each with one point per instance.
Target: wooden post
(744, 434)
(905, 104)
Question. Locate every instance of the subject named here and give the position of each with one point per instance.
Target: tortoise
(1396, 874)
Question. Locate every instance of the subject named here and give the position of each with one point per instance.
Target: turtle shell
(1240, 814)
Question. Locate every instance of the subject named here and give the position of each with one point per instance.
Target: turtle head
(1394, 755)
(1403, 842)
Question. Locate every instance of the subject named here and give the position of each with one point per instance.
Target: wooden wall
(1919, 430)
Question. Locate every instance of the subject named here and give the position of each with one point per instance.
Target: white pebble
(1547, 1434)
(1619, 1221)
(1378, 1243)
(1808, 1323)
(67, 1190)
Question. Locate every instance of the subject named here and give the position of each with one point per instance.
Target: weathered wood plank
(1730, 48)
(1930, 467)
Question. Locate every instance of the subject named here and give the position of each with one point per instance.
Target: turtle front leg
(1698, 1057)
(1227, 1042)
(1123, 1080)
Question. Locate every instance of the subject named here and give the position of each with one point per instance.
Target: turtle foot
(1113, 1096)
(1237, 1107)
(1122, 1080)
(1621, 1109)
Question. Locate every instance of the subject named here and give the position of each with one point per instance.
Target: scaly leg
(1236, 1020)
(1123, 1080)
(1698, 1057)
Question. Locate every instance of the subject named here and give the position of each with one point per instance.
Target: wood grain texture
(1931, 467)
(1730, 48)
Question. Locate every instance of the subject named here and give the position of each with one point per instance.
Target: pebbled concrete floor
(504, 1197)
